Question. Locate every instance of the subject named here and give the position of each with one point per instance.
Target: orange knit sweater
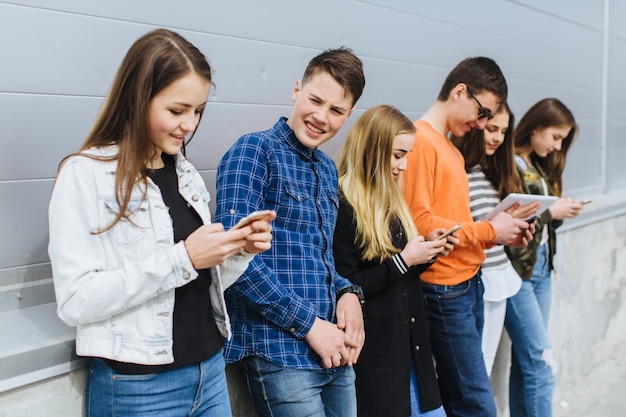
(437, 192)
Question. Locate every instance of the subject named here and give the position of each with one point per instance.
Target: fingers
(350, 359)
(341, 319)
(345, 356)
(513, 207)
(336, 359)
(258, 242)
(453, 239)
(526, 211)
(435, 233)
(327, 363)
(356, 355)
(259, 234)
(529, 234)
(354, 347)
(350, 321)
(263, 225)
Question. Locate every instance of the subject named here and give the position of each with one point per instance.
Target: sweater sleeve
(431, 185)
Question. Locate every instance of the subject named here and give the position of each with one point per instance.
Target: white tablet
(524, 199)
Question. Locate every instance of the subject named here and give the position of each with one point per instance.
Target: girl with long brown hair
(137, 266)
(542, 140)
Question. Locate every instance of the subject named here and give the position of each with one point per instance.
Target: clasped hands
(339, 344)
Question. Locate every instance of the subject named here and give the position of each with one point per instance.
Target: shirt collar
(293, 142)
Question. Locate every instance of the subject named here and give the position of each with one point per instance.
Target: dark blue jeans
(455, 314)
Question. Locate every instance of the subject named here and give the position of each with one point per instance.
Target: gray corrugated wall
(58, 57)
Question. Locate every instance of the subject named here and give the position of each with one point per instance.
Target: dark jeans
(455, 314)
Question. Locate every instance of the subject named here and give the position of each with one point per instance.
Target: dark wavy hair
(479, 74)
(543, 114)
(499, 168)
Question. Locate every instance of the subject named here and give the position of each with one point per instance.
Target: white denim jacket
(117, 287)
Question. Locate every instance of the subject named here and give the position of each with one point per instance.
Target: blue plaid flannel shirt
(275, 302)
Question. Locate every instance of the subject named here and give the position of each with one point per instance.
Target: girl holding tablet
(542, 139)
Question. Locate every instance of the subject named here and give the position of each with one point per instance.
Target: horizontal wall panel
(241, 19)
(24, 222)
(223, 124)
(43, 130)
(66, 52)
(30, 294)
(24, 274)
(585, 13)
(510, 20)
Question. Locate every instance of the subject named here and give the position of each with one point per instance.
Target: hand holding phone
(450, 231)
(252, 217)
(531, 219)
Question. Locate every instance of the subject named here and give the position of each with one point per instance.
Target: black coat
(395, 327)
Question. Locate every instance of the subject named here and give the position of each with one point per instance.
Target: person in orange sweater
(437, 193)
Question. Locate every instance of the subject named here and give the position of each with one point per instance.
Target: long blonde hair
(366, 181)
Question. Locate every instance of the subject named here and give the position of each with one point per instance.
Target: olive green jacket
(524, 258)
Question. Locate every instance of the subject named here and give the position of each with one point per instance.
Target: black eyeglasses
(483, 112)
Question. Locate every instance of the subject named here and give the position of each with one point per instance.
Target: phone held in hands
(531, 219)
(450, 231)
(252, 217)
(587, 201)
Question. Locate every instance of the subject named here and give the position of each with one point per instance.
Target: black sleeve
(373, 277)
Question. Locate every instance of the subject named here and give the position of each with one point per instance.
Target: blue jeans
(196, 391)
(416, 408)
(532, 360)
(287, 392)
(455, 314)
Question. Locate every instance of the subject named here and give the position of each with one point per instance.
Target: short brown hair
(345, 67)
(479, 74)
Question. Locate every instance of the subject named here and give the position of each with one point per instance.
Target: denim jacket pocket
(127, 231)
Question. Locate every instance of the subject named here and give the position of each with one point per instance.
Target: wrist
(352, 289)
(189, 254)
